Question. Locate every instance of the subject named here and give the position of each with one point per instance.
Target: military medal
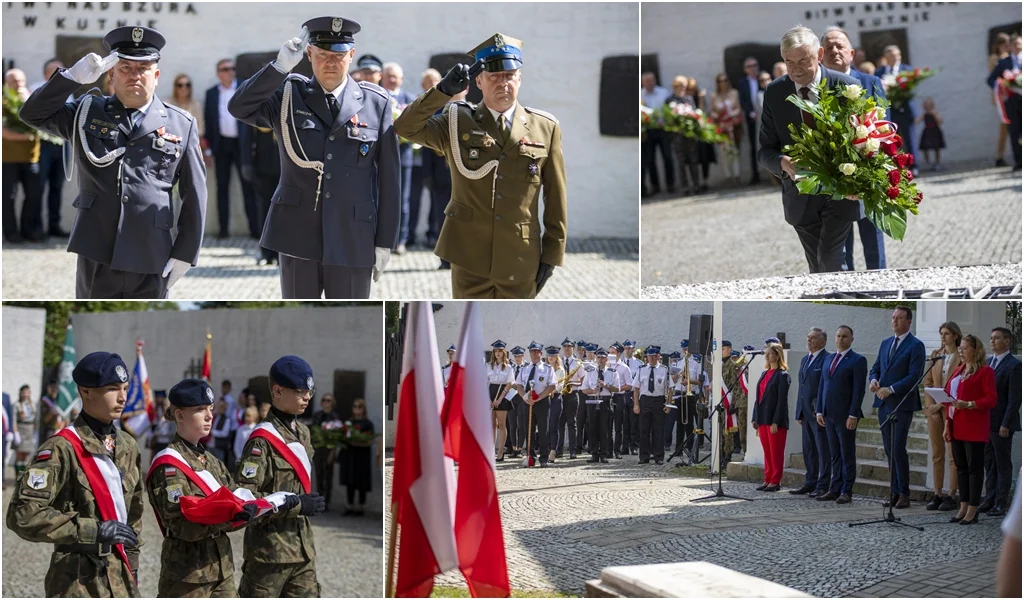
(474, 153)
(465, 136)
(160, 142)
(364, 149)
(533, 168)
(488, 141)
(108, 443)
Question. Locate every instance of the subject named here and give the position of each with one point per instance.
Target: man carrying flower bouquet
(822, 224)
(1011, 65)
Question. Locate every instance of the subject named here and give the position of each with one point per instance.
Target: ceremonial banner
(67, 391)
(138, 408)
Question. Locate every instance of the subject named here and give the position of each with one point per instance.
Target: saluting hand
(89, 68)
(292, 51)
(457, 79)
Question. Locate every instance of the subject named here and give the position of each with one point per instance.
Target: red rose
(889, 148)
(903, 85)
(896, 139)
(899, 160)
(894, 178)
(908, 176)
(918, 198)
(892, 192)
(910, 159)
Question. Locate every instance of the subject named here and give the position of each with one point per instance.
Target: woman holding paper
(500, 380)
(973, 387)
(937, 377)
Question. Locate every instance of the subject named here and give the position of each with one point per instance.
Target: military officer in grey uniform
(132, 149)
(335, 215)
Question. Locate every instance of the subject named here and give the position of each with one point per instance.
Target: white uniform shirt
(570, 366)
(543, 376)
(446, 373)
(226, 122)
(610, 378)
(641, 381)
(499, 374)
(624, 375)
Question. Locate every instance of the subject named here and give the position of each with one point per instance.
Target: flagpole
(389, 590)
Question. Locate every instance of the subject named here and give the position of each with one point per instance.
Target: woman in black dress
(357, 465)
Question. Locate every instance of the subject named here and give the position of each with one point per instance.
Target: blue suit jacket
(886, 69)
(808, 381)
(1004, 64)
(840, 394)
(901, 373)
(1008, 392)
(872, 84)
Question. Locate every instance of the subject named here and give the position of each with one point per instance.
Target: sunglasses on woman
(183, 84)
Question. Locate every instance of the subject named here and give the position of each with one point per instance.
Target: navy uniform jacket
(347, 222)
(840, 394)
(1007, 410)
(807, 392)
(125, 222)
(901, 373)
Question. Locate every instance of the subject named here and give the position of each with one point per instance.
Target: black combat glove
(116, 532)
(248, 512)
(312, 504)
(458, 78)
(290, 502)
(543, 274)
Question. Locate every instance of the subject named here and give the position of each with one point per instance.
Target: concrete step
(792, 478)
(873, 437)
(918, 425)
(869, 469)
(918, 458)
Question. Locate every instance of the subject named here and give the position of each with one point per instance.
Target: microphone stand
(889, 517)
(719, 493)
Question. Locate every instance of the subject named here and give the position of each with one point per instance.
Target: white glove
(90, 67)
(291, 52)
(174, 270)
(380, 262)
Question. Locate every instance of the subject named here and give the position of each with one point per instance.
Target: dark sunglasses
(225, 69)
(183, 84)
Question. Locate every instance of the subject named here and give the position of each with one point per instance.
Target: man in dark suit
(822, 224)
(1005, 422)
(392, 82)
(222, 138)
(1012, 104)
(747, 88)
(838, 57)
(894, 378)
(903, 114)
(817, 458)
(840, 395)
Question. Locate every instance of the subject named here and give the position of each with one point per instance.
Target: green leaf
(810, 185)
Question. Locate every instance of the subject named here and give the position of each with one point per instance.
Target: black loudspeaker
(700, 334)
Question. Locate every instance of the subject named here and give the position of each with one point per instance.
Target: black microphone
(755, 352)
(935, 358)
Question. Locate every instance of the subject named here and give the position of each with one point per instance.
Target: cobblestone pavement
(565, 523)
(594, 268)
(970, 217)
(349, 557)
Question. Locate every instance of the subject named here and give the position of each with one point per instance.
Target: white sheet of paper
(672, 406)
(939, 395)
(511, 394)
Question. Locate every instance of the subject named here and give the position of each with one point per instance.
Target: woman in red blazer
(771, 416)
(973, 386)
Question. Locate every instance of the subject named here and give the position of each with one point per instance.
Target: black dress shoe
(817, 493)
(891, 501)
(802, 490)
(934, 503)
(572, 455)
(543, 464)
(969, 521)
(593, 459)
(58, 232)
(659, 461)
(604, 460)
(828, 497)
(844, 499)
(644, 462)
(997, 511)
(35, 236)
(903, 502)
(1000, 162)
(955, 519)
(948, 504)
(761, 487)
(502, 459)
(616, 455)
(986, 506)
(773, 488)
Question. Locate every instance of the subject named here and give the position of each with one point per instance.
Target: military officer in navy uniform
(501, 154)
(335, 215)
(132, 149)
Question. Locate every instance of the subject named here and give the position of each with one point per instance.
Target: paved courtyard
(594, 268)
(349, 557)
(969, 217)
(565, 523)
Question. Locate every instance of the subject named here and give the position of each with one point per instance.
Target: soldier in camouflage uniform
(280, 558)
(196, 559)
(732, 365)
(53, 502)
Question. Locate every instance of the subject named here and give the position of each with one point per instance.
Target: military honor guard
(82, 492)
(335, 215)
(501, 155)
(280, 557)
(731, 374)
(599, 384)
(536, 383)
(652, 388)
(132, 149)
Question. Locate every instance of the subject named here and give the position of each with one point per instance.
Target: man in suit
(894, 378)
(132, 150)
(840, 394)
(838, 57)
(901, 114)
(1005, 421)
(821, 223)
(817, 457)
(261, 168)
(1012, 103)
(335, 215)
(392, 81)
(747, 88)
(224, 145)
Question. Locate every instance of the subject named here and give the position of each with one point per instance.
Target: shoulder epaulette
(373, 87)
(180, 110)
(537, 111)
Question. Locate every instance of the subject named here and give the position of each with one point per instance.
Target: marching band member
(649, 393)
(446, 370)
(599, 384)
(536, 383)
(632, 420)
(513, 444)
(570, 400)
(555, 362)
(621, 401)
(500, 380)
(581, 410)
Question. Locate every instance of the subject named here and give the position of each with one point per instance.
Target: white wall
(564, 46)
(23, 333)
(690, 39)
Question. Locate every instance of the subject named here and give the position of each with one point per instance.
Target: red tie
(835, 363)
(807, 117)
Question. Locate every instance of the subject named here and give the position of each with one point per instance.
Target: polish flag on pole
(423, 490)
(469, 439)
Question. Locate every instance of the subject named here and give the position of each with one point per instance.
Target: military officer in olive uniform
(131, 149)
(335, 216)
(96, 544)
(501, 154)
(280, 557)
(730, 382)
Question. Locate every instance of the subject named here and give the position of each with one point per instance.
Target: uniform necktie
(133, 116)
(502, 129)
(533, 371)
(835, 363)
(992, 362)
(650, 381)
(892, 349)
(808, 118)
(332, 103)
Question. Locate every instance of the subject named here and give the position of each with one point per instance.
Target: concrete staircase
(872, 464)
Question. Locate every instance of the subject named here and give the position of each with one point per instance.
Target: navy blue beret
(191, 392)
(100, 369)
(292, 372)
